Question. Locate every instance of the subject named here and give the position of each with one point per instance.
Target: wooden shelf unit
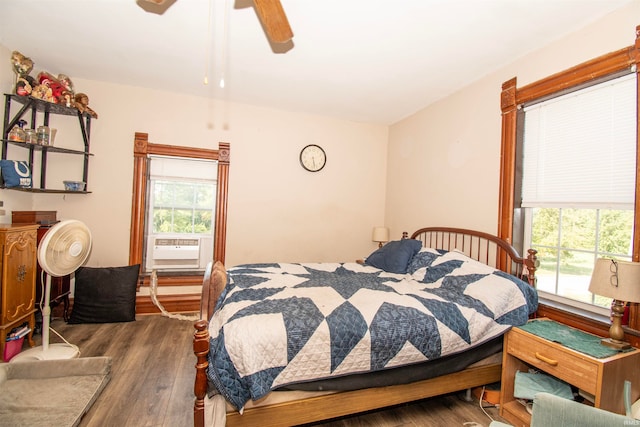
(34, 105)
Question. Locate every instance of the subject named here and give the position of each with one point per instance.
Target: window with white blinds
(580, 148)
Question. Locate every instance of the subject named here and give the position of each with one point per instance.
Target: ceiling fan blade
(274, 20)
(155, 6)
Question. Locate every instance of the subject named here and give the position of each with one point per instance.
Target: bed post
(532, 263)
(201, 350)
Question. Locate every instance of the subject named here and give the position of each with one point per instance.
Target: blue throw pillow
(394, 257)
(15, 173)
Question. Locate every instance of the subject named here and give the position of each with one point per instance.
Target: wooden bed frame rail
(478, 245)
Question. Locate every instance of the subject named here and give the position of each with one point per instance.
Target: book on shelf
(18, 333)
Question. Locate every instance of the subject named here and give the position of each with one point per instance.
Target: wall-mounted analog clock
(313, 158)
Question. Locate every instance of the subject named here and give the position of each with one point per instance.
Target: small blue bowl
(74, 185)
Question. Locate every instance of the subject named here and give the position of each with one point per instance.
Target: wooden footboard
(478, 245)
(201, 336)
(201, 350)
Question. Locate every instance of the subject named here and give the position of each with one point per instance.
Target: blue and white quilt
(278, 324)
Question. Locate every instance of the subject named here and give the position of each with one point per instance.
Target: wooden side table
(603, 378)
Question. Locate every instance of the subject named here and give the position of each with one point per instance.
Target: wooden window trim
(142, 148)
(512, 97)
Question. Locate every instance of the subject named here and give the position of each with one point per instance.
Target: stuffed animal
(24, 86)
(66, 82)
(46, 79)
(67, 95)
(43, 92)
(22, 66)
(81, 102)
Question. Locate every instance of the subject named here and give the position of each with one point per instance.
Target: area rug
(51, 392)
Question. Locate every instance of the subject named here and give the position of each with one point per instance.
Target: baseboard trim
(144, 305)
(171, 303)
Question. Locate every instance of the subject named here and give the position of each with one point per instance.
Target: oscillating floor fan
(63, 249)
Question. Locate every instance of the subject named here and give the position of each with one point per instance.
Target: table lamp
(619, 280)
(380, 235)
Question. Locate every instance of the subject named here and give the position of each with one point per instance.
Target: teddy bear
(81, 102)
(43, 91)
(22, 66)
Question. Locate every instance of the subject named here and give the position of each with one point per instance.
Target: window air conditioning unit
(175, 253)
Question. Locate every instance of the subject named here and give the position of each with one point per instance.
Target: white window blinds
(180, 168)
(580, 148)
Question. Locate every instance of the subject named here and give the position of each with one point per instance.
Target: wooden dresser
(60, 286)
(18, 263)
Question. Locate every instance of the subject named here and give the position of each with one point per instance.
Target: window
(578, 184)
(180, 227)
(142, 150)
(511, 220)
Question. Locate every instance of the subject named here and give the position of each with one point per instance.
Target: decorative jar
(43, 135)
(30, 136)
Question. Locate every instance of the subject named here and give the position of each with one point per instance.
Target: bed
(289, 344)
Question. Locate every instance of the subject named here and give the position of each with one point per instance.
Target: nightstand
(601, 377)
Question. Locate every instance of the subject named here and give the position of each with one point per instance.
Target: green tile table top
(572, 338)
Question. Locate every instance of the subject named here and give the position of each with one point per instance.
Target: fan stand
(63, 249)
(47, 351)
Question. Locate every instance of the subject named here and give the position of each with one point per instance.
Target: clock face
(313, 158)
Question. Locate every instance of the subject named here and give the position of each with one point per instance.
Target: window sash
(172, 173)
(194, 207)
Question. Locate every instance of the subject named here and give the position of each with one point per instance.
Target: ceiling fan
(270, 13)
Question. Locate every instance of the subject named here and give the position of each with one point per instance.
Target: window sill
(574, 310)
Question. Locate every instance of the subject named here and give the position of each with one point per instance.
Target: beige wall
(443, 162)
(277, 211)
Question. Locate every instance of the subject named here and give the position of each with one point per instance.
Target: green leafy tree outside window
(182, 207)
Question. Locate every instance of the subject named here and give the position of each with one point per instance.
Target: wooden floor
(153, 372)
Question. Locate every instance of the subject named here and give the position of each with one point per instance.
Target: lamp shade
(619, 280)
(380, 234)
